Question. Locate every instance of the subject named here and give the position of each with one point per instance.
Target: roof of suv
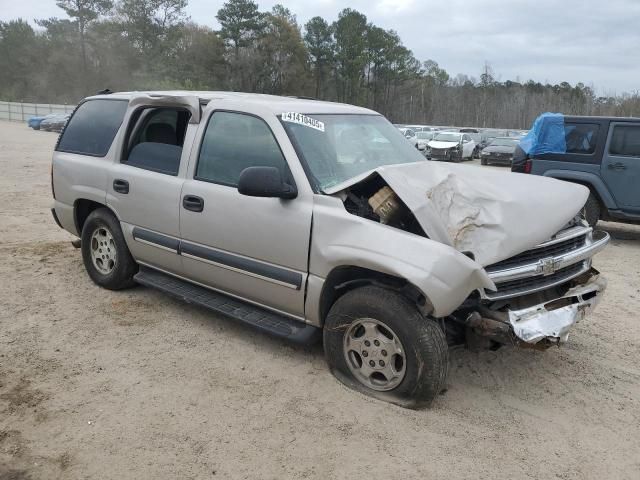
(274, 103)
(595, 118)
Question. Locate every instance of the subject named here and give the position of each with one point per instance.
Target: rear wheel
(377, 342)
(592, 210)
(105, 253)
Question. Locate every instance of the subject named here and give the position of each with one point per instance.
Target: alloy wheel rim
(374, 354)
(103, 250)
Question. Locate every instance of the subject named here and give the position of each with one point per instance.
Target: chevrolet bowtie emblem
(547, 266)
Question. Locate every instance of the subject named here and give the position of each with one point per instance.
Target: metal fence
(21, 112)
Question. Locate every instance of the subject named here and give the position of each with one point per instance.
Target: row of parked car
(54, 122)
(457, 144)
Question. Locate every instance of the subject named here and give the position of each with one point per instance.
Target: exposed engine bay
(374, 200)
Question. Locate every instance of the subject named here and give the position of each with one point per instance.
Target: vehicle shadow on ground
(230, 326)
(620, 231)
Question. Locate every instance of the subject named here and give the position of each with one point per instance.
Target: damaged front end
(540, 290)
(541, 293)
(537, 320)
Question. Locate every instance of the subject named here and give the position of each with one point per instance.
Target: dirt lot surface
(133, 385)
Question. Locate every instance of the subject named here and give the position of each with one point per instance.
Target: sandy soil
(130, 385)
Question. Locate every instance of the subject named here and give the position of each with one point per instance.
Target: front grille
(438, 152)
(515, 287)
(532, 256)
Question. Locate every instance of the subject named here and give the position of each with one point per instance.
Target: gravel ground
(133, 384)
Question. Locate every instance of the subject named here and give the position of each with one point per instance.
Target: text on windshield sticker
(300, 119)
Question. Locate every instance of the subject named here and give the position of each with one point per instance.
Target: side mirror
(265, 182)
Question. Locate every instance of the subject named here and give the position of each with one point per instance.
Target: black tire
(483, 161)
(422, 339)
(592, 210)
(125, 267)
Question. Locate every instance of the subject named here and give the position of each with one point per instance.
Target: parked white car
(423, 139)
(410, 135)
(451, 147)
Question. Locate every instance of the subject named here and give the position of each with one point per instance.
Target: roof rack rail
(106, 91)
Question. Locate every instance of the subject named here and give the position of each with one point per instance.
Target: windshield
(447, 137)
(503, 142)
(424, 135)
(336, 148)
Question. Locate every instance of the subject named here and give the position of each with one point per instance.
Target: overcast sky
(591, 41)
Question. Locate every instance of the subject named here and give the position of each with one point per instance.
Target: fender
(587, 178)
(443, 275)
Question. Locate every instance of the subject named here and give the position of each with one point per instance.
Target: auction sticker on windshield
(300, 119)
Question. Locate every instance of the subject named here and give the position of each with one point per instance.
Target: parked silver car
(304, 219)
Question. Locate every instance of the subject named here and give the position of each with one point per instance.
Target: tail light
(527, 166)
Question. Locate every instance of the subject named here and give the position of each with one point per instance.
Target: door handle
(193, 203)
(120, 186)
(617, 166)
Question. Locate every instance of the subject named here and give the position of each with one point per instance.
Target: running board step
(257, 317)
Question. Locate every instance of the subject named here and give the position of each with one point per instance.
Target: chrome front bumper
(553, 320)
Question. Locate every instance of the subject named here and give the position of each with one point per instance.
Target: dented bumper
(544, 322)
(551, 321)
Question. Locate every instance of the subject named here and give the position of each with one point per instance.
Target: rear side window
(233, 142)
(92, 128)
(625, 141)
(155, 139)
(581, 137)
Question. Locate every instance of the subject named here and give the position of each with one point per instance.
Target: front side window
(92, 128)
(348, 145)
(233, 142)
(581, 137)
(625, 141)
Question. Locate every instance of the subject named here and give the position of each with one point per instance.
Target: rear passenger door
(621, 164)
(253, 248)
(145, 183)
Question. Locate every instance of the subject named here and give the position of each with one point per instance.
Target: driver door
(249, 247)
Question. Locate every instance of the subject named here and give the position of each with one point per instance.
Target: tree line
(152, 44)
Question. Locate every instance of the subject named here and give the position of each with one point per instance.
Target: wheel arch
(82, 208)
(345, 278)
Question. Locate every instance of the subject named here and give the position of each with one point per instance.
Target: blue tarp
(546, 135)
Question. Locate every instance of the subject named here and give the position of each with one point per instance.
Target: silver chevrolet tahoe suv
(309, 219)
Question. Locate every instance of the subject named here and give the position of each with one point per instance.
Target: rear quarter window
(581, 138)
(92, 128)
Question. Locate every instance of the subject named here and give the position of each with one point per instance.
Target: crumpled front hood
(495, 215)
(439, 144)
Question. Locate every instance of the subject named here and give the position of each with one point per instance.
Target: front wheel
(377, 342)
(105, 253)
